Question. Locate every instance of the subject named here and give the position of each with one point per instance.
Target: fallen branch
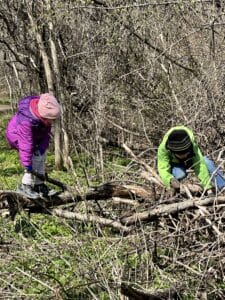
(154, 176)
(118, 200)
(90, 218)
(135, 293)
(166, 209)
(103, 192)
(203, 212)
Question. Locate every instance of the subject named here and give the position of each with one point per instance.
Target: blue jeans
(180, 172)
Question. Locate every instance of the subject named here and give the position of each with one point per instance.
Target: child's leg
(217, 175)
(26, 188)
(38, 164)
(27, 179)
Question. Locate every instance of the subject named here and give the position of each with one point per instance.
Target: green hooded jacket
(165, 157)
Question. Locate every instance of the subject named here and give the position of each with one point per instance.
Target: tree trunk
(44, 55)
(61, 148)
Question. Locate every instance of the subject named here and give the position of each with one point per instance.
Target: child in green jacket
(178, 152)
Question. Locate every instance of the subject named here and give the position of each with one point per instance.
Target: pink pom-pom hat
(48, 107)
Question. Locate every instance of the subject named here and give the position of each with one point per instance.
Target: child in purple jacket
(29, 133)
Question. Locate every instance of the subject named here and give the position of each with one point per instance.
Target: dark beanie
(179, 141)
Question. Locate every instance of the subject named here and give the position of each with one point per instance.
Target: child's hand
(175, 184)
(210, 193)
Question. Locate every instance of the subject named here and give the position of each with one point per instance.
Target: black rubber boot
(42, 189)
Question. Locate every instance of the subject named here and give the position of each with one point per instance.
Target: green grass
(49, 253)
(48, 257)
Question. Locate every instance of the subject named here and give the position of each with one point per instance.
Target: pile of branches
(184, 232)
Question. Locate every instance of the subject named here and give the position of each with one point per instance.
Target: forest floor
(44, 256)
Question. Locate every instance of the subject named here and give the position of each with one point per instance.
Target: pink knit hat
(48, 107)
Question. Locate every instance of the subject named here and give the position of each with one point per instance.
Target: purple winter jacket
(27, 133)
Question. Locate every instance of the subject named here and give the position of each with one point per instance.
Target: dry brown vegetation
(124, 72)
(158, 245)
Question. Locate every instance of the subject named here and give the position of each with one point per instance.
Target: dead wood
(134, 293)
(16, 202)
(90, 218)
(123, 194)
(166, 209)
(109, 190)
(118, 200)
(154, 176)
(103, 192)
(195, 189)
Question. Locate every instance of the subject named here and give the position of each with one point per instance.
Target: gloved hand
(174, 183)
(210, 193)
(28, 168)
